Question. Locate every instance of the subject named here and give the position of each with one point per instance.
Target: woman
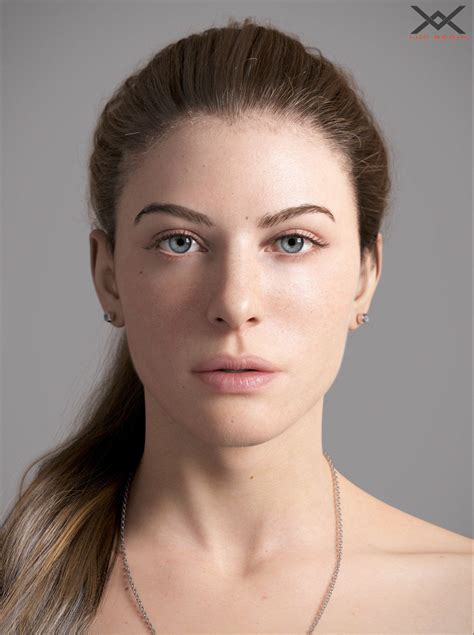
(238, 185)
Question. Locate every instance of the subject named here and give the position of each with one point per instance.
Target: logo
(445, 20)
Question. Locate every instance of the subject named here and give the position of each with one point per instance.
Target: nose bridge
(235, 284)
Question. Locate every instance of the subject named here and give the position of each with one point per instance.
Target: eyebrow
(267, 220)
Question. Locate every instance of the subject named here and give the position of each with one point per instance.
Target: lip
(235, 362)
(249, 381)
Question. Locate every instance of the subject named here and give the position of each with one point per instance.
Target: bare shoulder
(427, 567)
(382, 527)
(437, 570)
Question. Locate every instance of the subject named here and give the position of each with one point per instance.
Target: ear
(370, 272)
(103, 275)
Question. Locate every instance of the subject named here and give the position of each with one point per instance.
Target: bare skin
(399, 574)
(230, 521)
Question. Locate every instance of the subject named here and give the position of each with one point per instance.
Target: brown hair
(59, 539)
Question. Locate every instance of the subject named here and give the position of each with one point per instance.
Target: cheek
(316, 299)
(313, 320)
(155, 304)
(160, 316)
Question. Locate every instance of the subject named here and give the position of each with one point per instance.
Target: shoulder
(438, 581)
(379, 527)
(425, 569)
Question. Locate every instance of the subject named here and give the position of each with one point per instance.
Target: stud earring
(109, 317)
(362, 318)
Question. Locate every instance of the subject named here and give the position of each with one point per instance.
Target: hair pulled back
(59, 539)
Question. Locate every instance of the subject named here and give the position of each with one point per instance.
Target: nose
(235, 294)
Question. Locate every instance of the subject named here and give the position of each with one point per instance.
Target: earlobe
(361, 319)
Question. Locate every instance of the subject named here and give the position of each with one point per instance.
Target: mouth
(242, 380)
(225, 363)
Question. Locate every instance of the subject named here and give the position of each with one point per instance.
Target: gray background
(397, 420)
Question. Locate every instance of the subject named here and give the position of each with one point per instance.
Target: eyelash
(319, 244)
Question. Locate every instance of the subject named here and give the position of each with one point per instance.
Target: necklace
(332, 582)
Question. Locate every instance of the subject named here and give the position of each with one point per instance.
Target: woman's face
(236, 287)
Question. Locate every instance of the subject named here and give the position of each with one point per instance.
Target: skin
(235, 479)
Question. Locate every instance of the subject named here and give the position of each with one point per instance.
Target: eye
(296, 241)
(182, 242)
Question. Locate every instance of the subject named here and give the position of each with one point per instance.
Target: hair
(59, 540)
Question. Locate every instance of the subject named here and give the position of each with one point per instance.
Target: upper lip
(237, 363)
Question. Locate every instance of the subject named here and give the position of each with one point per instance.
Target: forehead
(255, 165)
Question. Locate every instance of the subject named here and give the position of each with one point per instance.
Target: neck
(235, 506)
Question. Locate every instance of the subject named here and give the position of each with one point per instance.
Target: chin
(233, 431)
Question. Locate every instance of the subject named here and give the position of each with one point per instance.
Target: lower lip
(236, 382)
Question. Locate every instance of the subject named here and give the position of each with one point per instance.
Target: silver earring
(109, 317)
(363, 318)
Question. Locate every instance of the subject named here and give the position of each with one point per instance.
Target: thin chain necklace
(332, 582)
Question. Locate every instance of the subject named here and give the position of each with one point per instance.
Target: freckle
(251, 477)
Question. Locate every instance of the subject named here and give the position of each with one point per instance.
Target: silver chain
(332, 582)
